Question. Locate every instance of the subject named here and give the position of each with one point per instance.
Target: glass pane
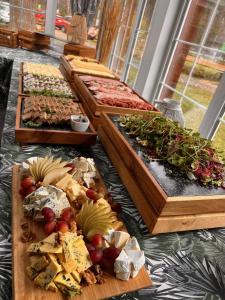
(205, 77)
(180, 69)
(219, 139)
(198, 16)
(193, 115)
(78, 23)
(127, 20)
(4, 13)
(139, 47)
(215, 37)
(62, 20)
(132, 75)
(146, 19)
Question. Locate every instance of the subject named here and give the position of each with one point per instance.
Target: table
(187, 265)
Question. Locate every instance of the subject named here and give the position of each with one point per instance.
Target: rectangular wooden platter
(71, 72)
(165, 213)
(8, 38)
(96, 108)
(80, 50)
(21, 90)
(51, 136)
(23, 287)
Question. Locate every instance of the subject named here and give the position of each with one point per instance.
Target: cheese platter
(167, 199)
(45, 125)
(80, 257)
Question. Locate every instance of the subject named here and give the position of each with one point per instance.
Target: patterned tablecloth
(188, 265)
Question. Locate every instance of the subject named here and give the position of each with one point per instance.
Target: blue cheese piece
(49, 196)
(44, 278)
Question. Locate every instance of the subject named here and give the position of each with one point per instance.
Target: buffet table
(186, 265)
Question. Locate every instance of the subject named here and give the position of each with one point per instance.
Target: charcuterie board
(23, 287)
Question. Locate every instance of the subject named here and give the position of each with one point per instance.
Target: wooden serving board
(24, 288)
(21, 89)
(66, 63)
(201, 208)
(96, 108)
(79, 50)
(51, 136)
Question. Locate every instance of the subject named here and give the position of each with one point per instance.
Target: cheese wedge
(44, 278)
(120, 238)
(122, 263)
(137, 258)
(123, 276)
(132, 244)
(52, 287)
(67, 285)
(54, 260)
(37, 265)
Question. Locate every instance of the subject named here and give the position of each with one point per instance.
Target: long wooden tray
(51, 136)
(21, 90)
(96, 108)
(23, 287)
(71, 72)
(166, 213)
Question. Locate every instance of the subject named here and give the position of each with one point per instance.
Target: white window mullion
(51, 9)
(214, 112)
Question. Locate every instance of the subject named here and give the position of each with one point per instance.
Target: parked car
(60, 22)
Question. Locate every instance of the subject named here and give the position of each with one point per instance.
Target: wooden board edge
(134, 191)
(109, 126)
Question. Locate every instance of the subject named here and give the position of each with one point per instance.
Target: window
(23, 14)
(64, 20)
(196, 68)
(131, 38)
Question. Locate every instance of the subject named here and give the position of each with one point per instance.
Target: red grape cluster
(53, 224)
(99, 255)
(27, 186)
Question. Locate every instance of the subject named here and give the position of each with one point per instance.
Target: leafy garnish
(180, 147)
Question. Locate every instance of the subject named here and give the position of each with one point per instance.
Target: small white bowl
(79, 122)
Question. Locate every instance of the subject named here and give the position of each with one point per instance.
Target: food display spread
(45, 80)
(89, 66)
(84, 236)
(41, 110)
(114, 93)
(180, 147)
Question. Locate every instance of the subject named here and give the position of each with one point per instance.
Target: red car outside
(60, 22)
